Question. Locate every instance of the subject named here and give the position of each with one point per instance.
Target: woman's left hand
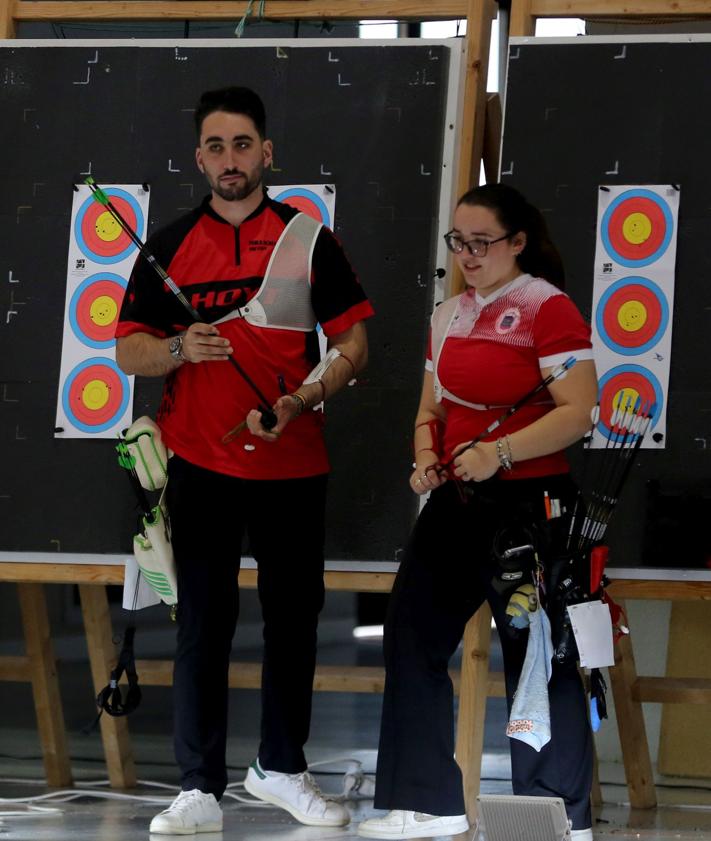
(476, 464)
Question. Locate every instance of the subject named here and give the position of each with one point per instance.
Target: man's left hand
(286, 409)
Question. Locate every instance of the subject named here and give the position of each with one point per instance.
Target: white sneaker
(402, 824)
(298, 794)
(581, 834)
(190, 812)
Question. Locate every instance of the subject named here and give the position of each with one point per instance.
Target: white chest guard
(283, 300)
(443, 321)
(457, 317)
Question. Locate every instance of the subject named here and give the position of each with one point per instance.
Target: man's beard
(240, 190)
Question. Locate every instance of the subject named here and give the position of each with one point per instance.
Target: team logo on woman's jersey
(508, 320)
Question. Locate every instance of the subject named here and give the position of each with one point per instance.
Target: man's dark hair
(233, 100)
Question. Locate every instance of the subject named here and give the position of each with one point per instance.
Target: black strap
(598, 689)
(110, 699)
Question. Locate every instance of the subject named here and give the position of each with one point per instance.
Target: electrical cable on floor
(356, 785)
(354, 767)
(32, 812)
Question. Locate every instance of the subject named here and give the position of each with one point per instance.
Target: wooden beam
(479, 17)
(103, 10)
(378, 582)
(45, 686)
(480, 14)
(618, 8)
(672, 690)
(61, 573)
(15, 668)
(663, 590)
(102, 657)
(355, 582)
(7, 14)
(631, 727)
(492, 137)
(472, 705)
(523, 12)
(368, 679)
(521, 20)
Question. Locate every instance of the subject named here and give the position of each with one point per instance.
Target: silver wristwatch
(175, 347)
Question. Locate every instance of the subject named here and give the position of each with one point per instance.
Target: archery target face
(632, 316)
(620, 387)
(98, 234)
(94, 309)
(307, 202)
(95, 395)
(637, 228)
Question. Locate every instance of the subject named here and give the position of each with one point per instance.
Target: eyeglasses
(477, 247)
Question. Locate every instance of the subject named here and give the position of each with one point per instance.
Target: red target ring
(99, 236)
(102, 233)
(624, 387)
(306, 201)
(637, 228)
(94, 309)
(305, 205)
(632, 315)
(95, 395)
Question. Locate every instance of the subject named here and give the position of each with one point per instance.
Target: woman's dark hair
(233, 100)
(540, 257)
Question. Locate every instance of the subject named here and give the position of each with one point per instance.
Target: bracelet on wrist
(300, 402)
(349, 361)
(504, 455)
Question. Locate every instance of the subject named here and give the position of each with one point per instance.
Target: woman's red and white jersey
(491, 353)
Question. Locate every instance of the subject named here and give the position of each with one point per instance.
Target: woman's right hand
(427, 474)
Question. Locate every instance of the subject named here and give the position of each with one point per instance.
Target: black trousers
(284, 522)
(445, 576)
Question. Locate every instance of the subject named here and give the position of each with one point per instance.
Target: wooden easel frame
(475, 683)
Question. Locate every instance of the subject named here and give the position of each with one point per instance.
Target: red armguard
(436, 428)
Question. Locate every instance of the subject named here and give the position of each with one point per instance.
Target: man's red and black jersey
(219, 267)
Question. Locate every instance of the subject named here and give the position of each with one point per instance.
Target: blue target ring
(96, 335)
(95, 418)
(637, 201)
(633, 378)
(307, 202)
(654, 306)
(90, 243)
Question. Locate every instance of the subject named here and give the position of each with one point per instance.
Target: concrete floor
(345, 727)
(682, 814)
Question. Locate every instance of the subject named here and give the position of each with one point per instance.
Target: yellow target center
(625, 398)
(103, 310)
(632, 316)
(637, 228)
(107, 228)
(95, 394)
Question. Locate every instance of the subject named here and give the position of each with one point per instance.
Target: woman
(489, 346)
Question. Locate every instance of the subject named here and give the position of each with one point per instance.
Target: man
(267, 275)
